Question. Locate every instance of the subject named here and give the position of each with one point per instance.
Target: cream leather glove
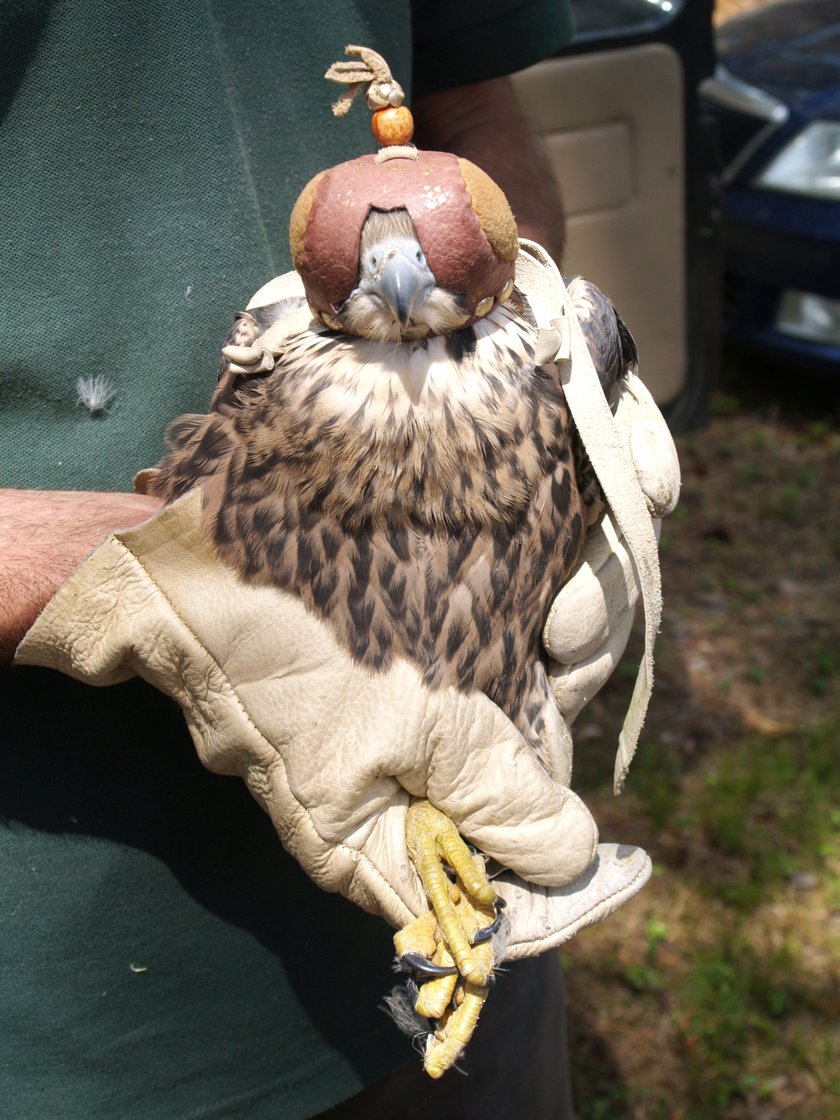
(333, 753)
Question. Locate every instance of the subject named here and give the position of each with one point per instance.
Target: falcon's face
(397, 297)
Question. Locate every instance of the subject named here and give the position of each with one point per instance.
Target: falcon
(401, 462)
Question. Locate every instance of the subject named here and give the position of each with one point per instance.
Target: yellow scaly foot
(444, 948)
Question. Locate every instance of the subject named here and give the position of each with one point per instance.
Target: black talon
(419, 966)
(413, 991)
(487, 932)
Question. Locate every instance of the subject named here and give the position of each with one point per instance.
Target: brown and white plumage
(426, 498)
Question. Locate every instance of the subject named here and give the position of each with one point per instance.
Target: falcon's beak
(402, 284)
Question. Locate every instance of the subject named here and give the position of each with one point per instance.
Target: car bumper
(782, 281)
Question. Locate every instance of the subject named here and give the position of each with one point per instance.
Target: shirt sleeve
(457, 44)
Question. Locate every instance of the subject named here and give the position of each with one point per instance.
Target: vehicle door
(634, 154)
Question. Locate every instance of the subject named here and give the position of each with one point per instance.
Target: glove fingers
(575, 685)
(651, 446)
(483, 774)
(596, 599)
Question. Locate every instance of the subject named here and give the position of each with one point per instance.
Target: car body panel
(777, 240)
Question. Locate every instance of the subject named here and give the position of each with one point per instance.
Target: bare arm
(43, 536)
(483, 123)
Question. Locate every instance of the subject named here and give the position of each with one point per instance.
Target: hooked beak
(402, 284)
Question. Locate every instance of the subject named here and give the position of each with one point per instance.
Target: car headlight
(809, 164)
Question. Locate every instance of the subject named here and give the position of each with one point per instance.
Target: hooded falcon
(405, 466)
(399, 460)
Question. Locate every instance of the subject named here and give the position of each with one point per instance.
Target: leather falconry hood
(462, 218)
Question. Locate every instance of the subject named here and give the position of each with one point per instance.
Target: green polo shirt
(160, 954)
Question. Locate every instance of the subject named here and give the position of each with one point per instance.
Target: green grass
(716, 992)
(769, 808)
(745, 1011)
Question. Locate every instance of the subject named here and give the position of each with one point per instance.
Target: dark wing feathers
(610, 343)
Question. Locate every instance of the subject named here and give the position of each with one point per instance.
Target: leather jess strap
(561, 340)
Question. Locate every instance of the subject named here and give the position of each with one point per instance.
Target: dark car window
(596, 19)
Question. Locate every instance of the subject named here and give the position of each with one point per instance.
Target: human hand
(44, 534)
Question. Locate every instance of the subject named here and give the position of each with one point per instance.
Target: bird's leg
(448, 950)
(443, 996)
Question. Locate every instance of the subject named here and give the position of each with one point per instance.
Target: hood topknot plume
(460, 217)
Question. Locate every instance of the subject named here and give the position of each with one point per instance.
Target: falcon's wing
(610, 343)
(200, 445)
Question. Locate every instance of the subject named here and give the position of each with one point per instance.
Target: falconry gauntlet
(334, 754)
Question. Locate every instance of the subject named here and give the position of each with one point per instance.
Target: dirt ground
(716, 993)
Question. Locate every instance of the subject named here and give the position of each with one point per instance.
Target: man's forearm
(483, 123)
(44, 535)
